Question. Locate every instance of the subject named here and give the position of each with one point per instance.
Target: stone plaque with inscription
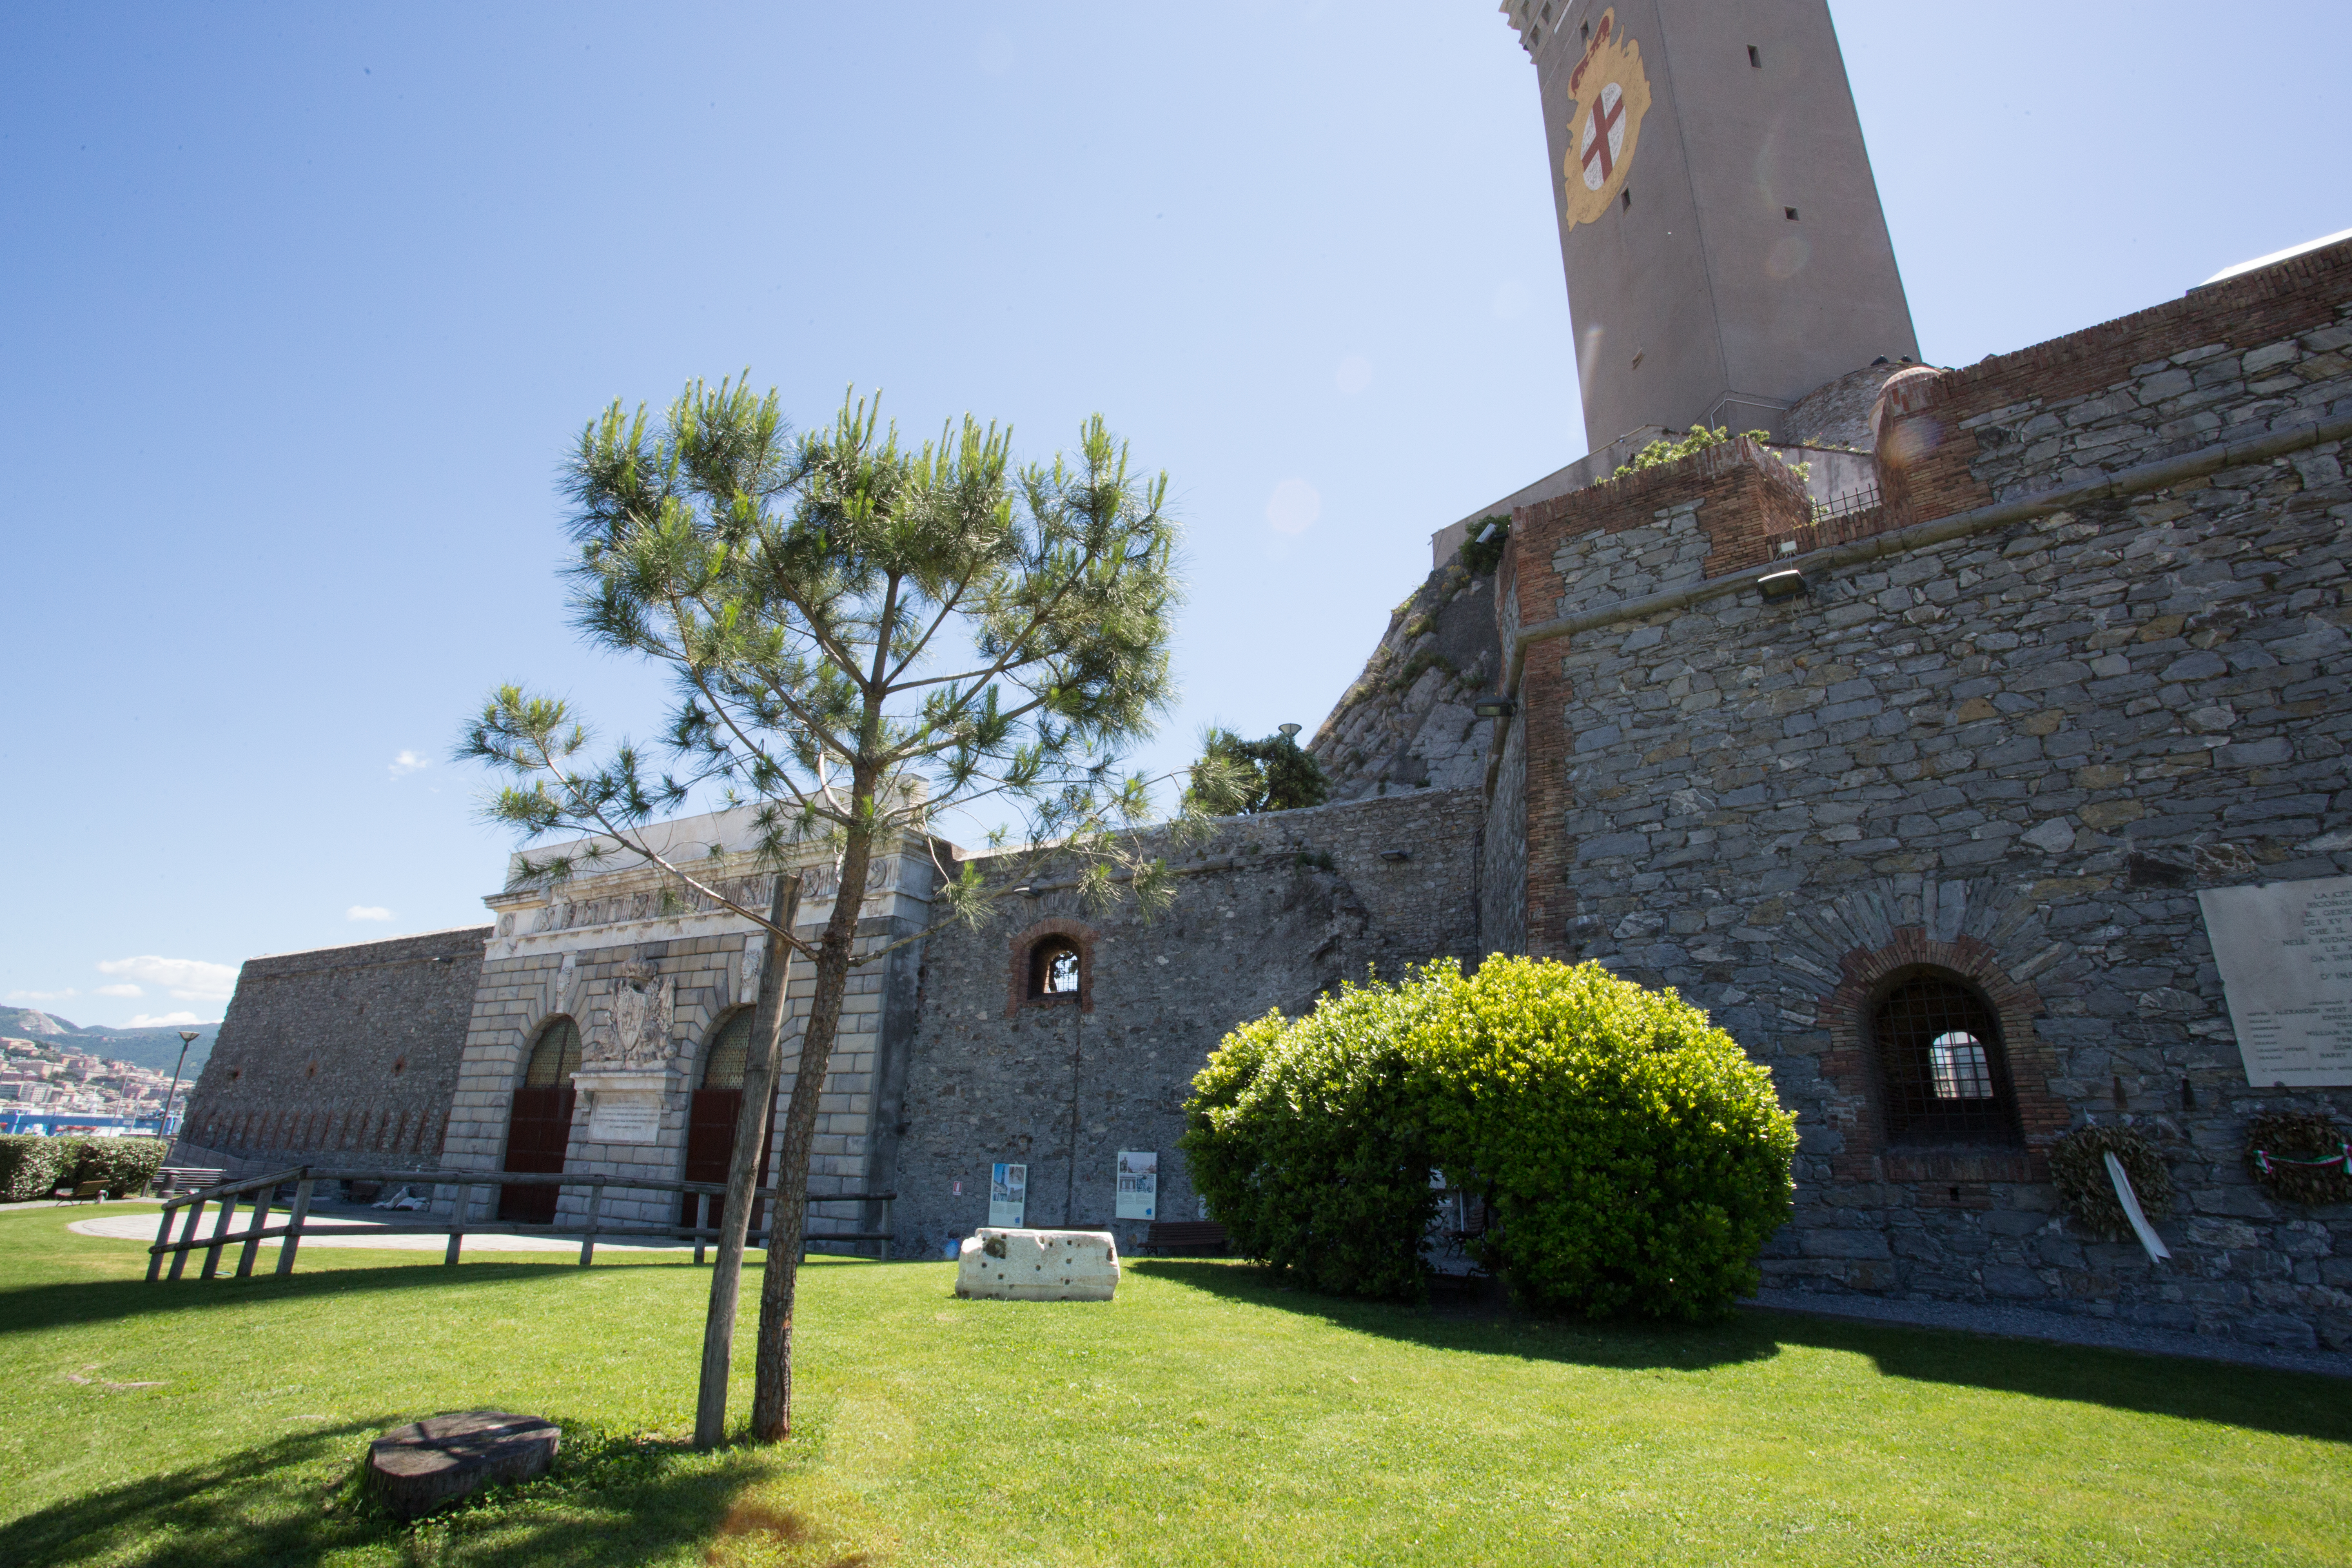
(2284, 950)
(624, 1106)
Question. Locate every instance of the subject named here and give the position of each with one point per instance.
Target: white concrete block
(1038, 1266)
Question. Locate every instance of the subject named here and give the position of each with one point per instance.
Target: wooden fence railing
(259, 1194)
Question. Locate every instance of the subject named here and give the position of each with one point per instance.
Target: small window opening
(1625, 198)
(1054, 968)
(1584, 31)
(1754, 58)
(1547, 10)
(1946, 1076)
(1958, 1062)
(1791, 213)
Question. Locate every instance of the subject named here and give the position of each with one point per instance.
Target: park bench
(188, 1178)
(1185, 1235)
(88, 1193)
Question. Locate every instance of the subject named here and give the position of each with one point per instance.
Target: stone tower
(1725, 248)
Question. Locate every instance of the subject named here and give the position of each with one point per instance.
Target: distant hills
(157, 1047)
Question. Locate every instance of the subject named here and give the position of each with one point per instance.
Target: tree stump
(415, 1469)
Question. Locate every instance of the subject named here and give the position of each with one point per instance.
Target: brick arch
(1017, 972)
(1851, 1067)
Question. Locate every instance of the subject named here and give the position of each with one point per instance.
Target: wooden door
(711, 1122)
(539, 1129)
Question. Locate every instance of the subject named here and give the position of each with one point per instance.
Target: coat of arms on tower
(1611, 94)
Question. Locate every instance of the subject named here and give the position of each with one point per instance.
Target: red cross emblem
(1604, 137)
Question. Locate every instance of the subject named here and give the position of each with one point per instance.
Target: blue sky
(304, 303)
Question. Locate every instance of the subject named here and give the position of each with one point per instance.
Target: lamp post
(187, 1038)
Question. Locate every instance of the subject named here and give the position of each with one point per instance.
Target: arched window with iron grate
(1943, 1071)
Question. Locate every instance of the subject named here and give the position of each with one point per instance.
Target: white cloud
(117, 991)
(367, 912)
(34, 996)
(159, 1020)
(1354, 374)
(1293, 507)
(407, 762)
(187, 979)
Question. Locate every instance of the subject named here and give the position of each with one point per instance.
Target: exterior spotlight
(1289, 733)
(1784, 585)
(1494, 707)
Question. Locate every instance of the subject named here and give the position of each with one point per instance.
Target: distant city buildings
(53, 1088)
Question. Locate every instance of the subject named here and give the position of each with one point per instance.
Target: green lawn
(1204, 1417)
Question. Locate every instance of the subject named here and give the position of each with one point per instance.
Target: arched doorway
(714, 1113)
(538, 1124)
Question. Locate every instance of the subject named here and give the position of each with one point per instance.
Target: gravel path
(2026, 1323)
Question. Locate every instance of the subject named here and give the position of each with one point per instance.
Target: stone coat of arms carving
(638, 1020)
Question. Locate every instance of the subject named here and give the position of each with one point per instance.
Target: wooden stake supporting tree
(743, 1167)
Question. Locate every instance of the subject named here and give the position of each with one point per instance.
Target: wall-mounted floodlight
(1777, 585)
(1396, 854)
(1494, 707)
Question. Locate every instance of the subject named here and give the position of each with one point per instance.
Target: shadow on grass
(609, 1499)
(2225, 1393)
(29, 1309)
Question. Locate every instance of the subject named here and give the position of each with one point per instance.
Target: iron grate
(1946, 1077)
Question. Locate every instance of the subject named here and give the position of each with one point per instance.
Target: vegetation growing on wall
(1234, 775)
(1631, 1157)
(1667, 449)
(1483, 551)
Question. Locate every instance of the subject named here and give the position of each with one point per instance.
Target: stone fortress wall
(2013, 744)
(569, 950)
(1272, 912)
(346, 1053)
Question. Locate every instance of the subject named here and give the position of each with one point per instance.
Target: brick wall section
(1254, 926)
(2262, 350)
(338, 1056)
(2022, 752)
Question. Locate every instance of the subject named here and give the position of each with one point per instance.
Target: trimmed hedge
(126, 1165)
(1631, 1158)
(33, 1167)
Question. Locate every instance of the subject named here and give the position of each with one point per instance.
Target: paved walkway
(2061, 1328)
(345, 1229)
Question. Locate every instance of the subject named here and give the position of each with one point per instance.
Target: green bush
(1311, 1141)
(126, 1165)
(1631, 1158)
(31, 1167)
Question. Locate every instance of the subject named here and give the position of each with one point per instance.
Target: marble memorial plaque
(2284, 950)
(624, 1119)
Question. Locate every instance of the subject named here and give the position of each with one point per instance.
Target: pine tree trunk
(743, 1166)
(771, 1389)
